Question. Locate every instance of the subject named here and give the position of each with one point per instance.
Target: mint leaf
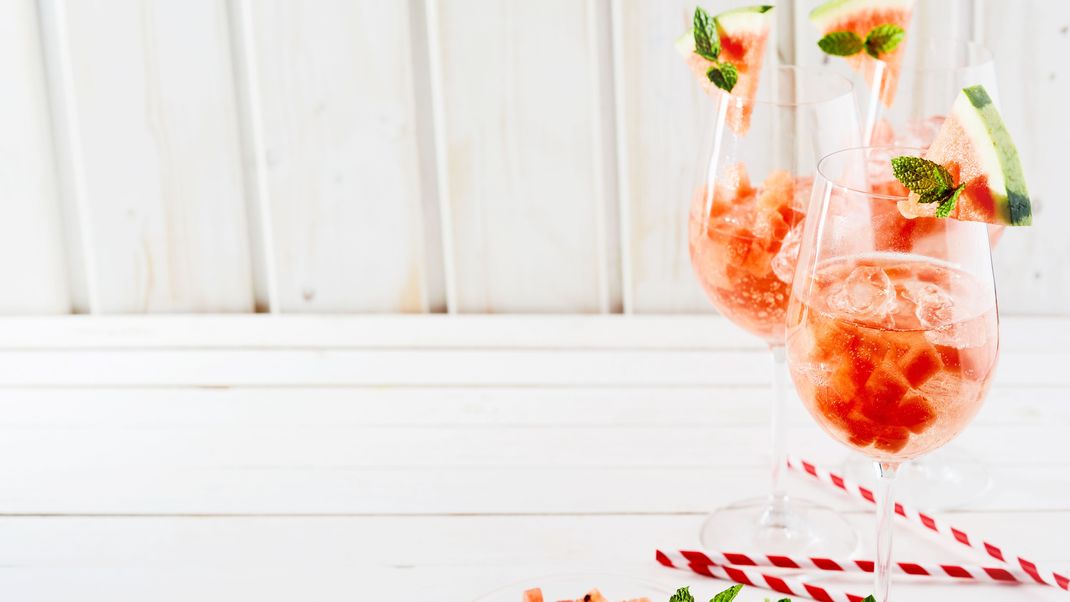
(869, 599)
(922, 176)
(723, 75)
(841, 43)
(707, 41)
(883, 39)
(727, 595)
(682, 595)
(947, 206)
(942, 176)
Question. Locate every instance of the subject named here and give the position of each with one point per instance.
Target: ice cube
(783, 262)
(934, 307)
(867, 292)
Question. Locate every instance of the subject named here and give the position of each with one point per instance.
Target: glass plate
(571, 586)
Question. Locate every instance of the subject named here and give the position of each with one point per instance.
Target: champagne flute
(743, 234)
(892, 349)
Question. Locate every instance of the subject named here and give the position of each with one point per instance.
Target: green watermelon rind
(996, 153)
(749, 19)
(834, 10)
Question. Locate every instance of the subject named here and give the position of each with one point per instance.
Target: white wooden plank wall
(149, 92)
(334, 83)
(525, 162)
(469, 155)
(32, 262)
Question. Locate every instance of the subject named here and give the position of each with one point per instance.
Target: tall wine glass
(743, 233)
(891, 350)
(933, 72)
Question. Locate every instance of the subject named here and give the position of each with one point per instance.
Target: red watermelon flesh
(861, 16)
(977, 151)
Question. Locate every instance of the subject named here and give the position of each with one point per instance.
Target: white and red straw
(701, 564)
(1037, 572)
(954, 571)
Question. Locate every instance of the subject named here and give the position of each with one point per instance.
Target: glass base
(946, 479)
(798, 527)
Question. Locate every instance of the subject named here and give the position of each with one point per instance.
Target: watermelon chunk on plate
(743, 33)
(860, 16)
(975, 147)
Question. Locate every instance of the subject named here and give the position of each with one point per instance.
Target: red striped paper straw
(1037, 572)
(699, 563)
(955, 571)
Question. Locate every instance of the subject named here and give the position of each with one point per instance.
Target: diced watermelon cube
(832, 406)
(919, 364)
(915, 413)
(861, 432)
(594, 596)
(892, 438)
(533, 595)
(849, 377)
(757, 259)
(886, 386)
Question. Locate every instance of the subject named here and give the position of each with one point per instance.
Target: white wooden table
(408, 458)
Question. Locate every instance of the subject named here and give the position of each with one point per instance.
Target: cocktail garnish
(929, 180)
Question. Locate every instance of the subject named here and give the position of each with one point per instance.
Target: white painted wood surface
(661, 129)
(151, 139)
(335, 85)
(525, 165)
(327, 458)
(32, 262)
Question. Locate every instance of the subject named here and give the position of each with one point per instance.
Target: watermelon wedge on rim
(860, 16)
(975, 147)
(743, 33)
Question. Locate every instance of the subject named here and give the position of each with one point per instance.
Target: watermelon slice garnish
(743, 33)
(975, 149)
(861, 17)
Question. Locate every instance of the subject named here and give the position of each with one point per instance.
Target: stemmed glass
(743, 233)
(891, 349)
(933, 72)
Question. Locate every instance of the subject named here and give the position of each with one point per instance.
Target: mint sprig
(882, 39)
(682, 595)
(929, 180)
(723, 74)
(707, 41)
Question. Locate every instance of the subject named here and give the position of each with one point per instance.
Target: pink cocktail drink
(743, 244)
(892, 353)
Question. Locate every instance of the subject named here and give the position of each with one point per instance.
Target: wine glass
(743, 233)
(892, 350)
(932, 73)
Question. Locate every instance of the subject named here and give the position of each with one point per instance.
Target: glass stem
(885, 515)
(778, 496)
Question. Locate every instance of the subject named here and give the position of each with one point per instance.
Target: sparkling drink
(892, 353)
(743, 248)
